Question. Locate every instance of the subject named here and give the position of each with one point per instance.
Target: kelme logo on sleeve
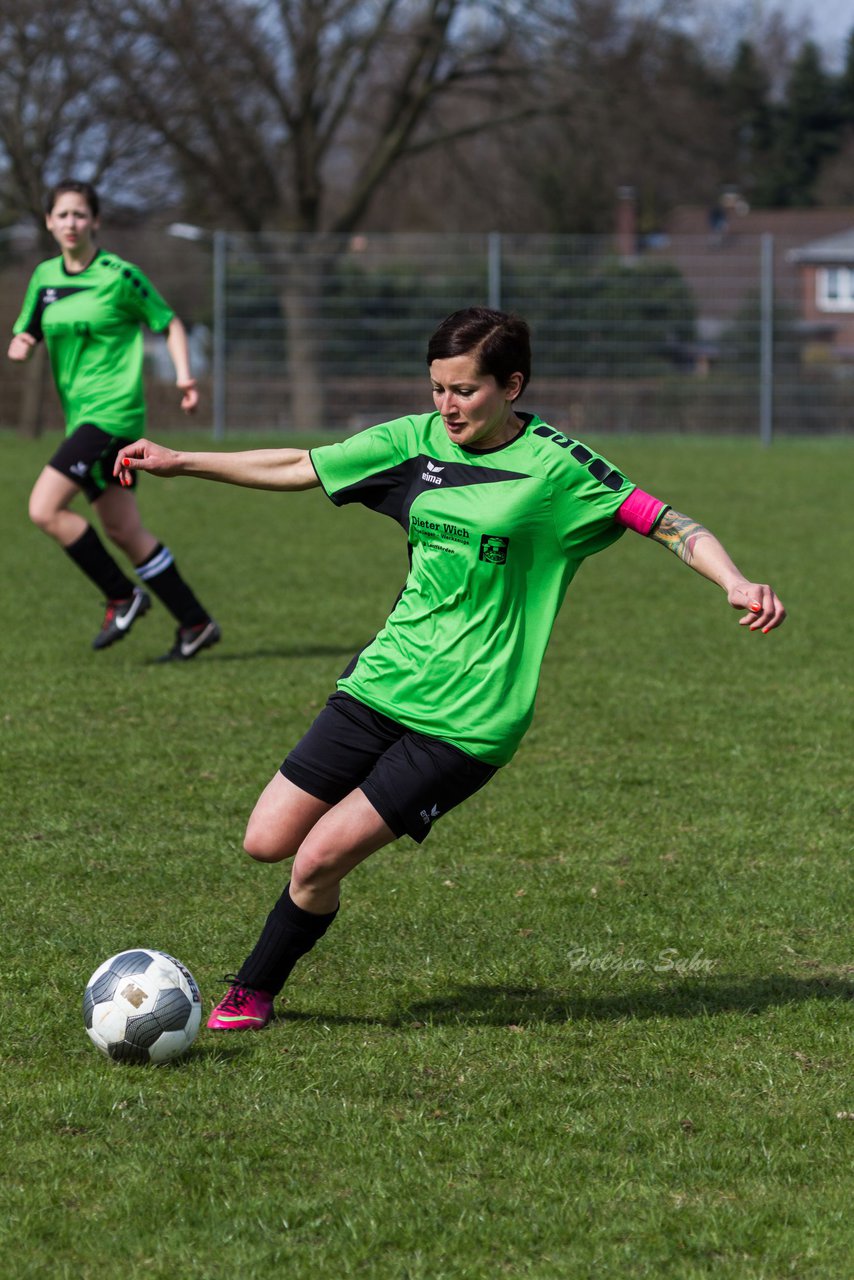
(493, 548)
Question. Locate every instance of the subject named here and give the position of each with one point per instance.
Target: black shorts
(409, 778)
(87, 457)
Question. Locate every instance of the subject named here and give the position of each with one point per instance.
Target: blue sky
(832, 20)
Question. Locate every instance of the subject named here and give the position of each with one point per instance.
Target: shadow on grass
(255, 655)
(518, 1006)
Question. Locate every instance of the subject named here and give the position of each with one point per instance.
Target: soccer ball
(142, 1006)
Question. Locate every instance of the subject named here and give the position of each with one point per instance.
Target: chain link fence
(695, 334)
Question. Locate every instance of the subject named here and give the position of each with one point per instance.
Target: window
(834, 287)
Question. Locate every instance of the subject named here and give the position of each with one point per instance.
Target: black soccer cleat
(120, 616)
(191, 640)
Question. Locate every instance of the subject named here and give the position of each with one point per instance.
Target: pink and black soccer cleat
(242, 1009)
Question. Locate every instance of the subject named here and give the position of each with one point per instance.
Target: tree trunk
(301, 294)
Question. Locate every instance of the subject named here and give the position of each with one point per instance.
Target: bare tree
(50, 128)
(260, 100)
(51, 124)
(300, 121)
(625, 99)
(289, 115)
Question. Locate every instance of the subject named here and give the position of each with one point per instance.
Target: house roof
(790, 224)
(838, 248)
(723, 266)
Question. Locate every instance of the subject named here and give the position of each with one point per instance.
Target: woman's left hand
(765, 607)
(190, 397)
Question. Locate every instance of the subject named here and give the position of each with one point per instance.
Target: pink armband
(640, 511)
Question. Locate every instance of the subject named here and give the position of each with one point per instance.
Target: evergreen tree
(809, 132)
(751, 116)
(846, 86)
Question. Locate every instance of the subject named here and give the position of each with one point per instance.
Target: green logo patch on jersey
(493, 548)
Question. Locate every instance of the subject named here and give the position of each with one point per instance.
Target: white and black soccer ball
(142, 1006)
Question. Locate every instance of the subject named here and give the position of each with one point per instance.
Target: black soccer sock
(90, 555)
(288, 934)
(160, 573)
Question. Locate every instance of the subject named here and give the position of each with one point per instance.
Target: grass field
(599, 1025)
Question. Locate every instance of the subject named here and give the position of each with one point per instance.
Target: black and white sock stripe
(160, 559)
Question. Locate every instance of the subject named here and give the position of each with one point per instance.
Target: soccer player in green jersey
(500, 509)
(88, 307)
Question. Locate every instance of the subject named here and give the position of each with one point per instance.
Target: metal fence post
(220, 251)
(493, 255)
(766, 340)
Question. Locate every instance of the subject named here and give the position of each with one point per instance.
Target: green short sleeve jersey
(495, 538)
(91, 322)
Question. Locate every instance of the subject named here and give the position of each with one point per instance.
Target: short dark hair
(500, 341)
(84, 189)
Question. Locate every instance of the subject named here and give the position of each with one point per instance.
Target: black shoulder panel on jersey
(47, 295)
(392, 492)
(384, 491)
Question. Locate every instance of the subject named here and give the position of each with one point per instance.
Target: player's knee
(42, 514)
(316, 867)
(264, 844)
(118, 531)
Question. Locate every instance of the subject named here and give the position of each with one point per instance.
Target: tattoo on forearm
(680, 534)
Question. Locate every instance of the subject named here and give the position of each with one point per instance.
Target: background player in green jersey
(500, 509)
(89, 306)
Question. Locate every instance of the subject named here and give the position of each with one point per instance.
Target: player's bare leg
(50, 499)
(283, 816)
(120, 519)
(51, 496)
(329, 842)
(343, 837)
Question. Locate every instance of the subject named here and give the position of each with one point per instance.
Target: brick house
(826, 269)
(719, 254)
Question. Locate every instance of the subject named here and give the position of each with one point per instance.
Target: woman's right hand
(21, 347)
(145, 455)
